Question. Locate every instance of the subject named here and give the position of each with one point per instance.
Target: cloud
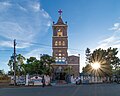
(22, 8)
(10, 44)
(11, 30)
(4, 66)
(23, 20)
(116, 27)
(112, 41)
(4, 5)
(73, 52)
(34, 53)
(6, 44)
(36, 6)
(106, 43)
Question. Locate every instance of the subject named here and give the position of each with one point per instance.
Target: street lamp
(79, 62)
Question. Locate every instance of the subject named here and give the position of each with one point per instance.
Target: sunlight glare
(95, 65)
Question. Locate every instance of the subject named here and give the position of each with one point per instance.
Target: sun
(95, 65)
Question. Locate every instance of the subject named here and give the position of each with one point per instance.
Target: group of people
(76, 80)
(46, 80)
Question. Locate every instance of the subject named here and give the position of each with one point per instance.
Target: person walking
(43, 81)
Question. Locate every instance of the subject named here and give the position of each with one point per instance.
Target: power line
(12, 50)
(5, 50)
(39, 44)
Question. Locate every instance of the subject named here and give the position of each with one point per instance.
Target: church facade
(65, 64)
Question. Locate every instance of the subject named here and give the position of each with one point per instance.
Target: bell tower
(60, 40)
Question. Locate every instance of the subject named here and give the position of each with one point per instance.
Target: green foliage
(2, 72)
(87, 68)
(42, 66)
(47, 60)
(88, 54)
(32, 65)
(10, 72)
(19, 62)
(107, 58)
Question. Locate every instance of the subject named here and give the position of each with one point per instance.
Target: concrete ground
(64, 90)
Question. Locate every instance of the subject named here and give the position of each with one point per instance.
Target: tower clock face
(59, 32)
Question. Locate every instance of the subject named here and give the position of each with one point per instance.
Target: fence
(5, 79)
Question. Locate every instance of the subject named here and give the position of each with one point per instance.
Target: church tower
(60, 46)
(60, 40)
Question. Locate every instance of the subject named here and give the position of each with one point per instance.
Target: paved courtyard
(67, 90)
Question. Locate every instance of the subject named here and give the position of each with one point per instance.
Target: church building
(65, 64)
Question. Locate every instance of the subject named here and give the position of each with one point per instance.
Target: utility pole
(40, 56)
(14, 62)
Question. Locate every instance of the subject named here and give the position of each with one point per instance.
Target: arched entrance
(60, 75)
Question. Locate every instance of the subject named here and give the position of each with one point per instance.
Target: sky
(91, 23)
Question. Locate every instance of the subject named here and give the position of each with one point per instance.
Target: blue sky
(91, 23)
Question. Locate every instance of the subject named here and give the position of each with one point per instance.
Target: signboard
(36, 80)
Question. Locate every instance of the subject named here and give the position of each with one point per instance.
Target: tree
(31, 65)
(19, 62)
(42, 66)
(107, 60)
(112, 58)
(87, 68)
(46, 61)
(10, 63)
(2, 72)
(88, 54)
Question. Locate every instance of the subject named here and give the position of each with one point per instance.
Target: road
(72, 90)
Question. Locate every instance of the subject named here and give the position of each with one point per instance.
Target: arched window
(63, 43)
(59, 54)
(56, 43)
(59, 42)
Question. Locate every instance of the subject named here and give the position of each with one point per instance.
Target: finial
(66, 22)
(60, 12)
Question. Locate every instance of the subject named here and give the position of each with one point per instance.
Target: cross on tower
(60, 12)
